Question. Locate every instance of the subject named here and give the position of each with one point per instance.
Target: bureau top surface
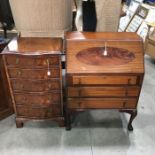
(91, 36)
(34, 46)
(101, 52)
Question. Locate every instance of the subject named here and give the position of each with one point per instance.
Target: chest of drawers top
(34, 46)
(85, 53)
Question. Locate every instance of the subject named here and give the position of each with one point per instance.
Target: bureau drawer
(103, 80)
(103, 91)
(38, 99)
(105, 103)
(38, 112)
(33, 73)
(35, 86)
(30, 61)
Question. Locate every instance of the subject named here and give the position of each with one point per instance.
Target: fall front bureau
(104, 71)
(33, 69)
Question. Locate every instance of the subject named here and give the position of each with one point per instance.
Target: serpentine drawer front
(31, 61)
(104, 71)
(35, 85)
(33, 72)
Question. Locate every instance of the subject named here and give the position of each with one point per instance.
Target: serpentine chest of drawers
(33, 69)
(104, 71)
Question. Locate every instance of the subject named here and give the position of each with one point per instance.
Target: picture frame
(134, 24)
(140, 1)
(138, 18)
(142, 12)
(143, 30)
(133, 6)
(124, 21)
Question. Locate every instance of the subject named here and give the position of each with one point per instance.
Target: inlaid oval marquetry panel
(95, 56)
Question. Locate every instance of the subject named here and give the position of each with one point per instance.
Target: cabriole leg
(68, 121)
(133, 114)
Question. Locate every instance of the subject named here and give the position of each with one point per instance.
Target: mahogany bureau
(104, 71)
(33, 69)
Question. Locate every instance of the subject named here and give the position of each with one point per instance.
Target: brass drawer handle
(50, 110)
(22, 86)
(48, 68)
(48, 101)
(50, 98)
(19, 73)
(49, 86)
(17, 61)
(79, 81)
(47, 62)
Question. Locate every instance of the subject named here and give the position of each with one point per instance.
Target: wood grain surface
(34, 45)
(81, 41)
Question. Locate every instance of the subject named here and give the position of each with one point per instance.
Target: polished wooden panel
(31, 61)
(38, 112)
(33, 73)
(34, 46)
(38, 99)
(74, 46)
(103, 103)
(35, 86)
(102, 80)
(102, 91)
(115, 56)
(102, 36)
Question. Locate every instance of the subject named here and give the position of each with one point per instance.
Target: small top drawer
(103, 80)
(29, 61)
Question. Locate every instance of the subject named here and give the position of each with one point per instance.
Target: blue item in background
(149, 1)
